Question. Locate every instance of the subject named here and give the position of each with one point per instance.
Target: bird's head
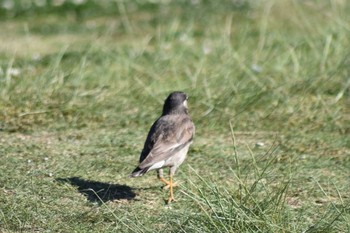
(176, 103)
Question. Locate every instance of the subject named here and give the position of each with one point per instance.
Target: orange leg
(167, 183)
(171, 197)
(164, 181)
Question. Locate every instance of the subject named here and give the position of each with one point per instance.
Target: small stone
(259, 144)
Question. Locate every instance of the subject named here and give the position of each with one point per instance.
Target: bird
(168, 141)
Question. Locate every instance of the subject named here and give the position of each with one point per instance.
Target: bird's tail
(138, 172)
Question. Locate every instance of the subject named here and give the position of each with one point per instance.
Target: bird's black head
(176, 103)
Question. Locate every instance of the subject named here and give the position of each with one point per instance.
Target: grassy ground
(80, 85)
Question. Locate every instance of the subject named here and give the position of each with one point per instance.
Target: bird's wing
(170, 133)
(152, 136)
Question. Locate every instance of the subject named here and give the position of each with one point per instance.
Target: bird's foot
(167, 186)
(170, 199)
(167, 183)
(164, 181)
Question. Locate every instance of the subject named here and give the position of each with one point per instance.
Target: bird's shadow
(99, 192)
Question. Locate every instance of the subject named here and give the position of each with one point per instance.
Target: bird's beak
(185, 103)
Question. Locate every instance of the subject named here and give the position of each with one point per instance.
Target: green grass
(269, 91)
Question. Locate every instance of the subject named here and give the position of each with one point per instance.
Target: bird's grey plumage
(169, 138)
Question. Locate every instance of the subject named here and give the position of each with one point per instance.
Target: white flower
(256, 68)
(14, 71)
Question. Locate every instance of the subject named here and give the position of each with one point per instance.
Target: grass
(80, 85)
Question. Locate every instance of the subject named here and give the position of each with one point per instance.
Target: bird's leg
(161, 177)
(164, 181)
(167, 186)
(171, 184)
(171, 197)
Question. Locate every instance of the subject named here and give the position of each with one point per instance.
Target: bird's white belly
(178, 158)
(158, 165)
